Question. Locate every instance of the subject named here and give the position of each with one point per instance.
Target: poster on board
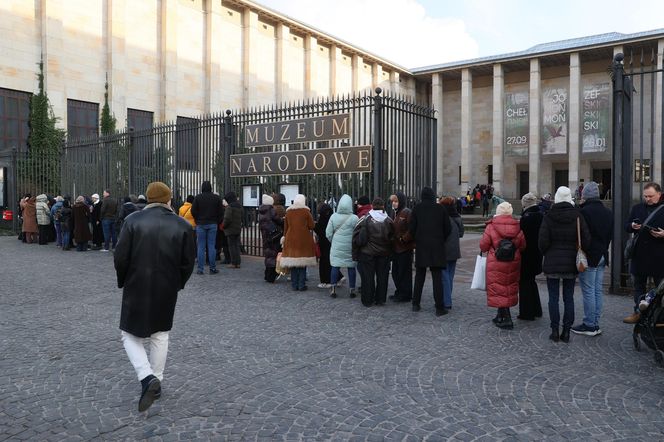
(554, 121)
(251, 195)
(595, 122)
(517, 122)
(289, 191)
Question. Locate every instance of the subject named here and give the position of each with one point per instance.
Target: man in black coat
(153, 260)
(530, 306)
(649, 249)
(207, 211)
(430, 227)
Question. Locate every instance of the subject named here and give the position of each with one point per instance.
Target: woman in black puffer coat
(268, 222)
(558, 244)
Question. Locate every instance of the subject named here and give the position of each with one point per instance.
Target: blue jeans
(108, 225)
(448, 283)
(298, 277)
(58, 234)
(591, 287)
(553, 284)
(66, 236)
(206, 234)
(336, 271)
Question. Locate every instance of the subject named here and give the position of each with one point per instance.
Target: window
(642, 174)
(82, 119)
(14, 120)
(186, 143)
(139, 120)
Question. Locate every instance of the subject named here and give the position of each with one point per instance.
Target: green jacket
(233, 219)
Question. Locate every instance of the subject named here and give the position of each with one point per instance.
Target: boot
(555, 334)
(564, 336)
(352, 293)
(333, 291)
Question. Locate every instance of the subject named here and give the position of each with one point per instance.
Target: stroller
(650, 328)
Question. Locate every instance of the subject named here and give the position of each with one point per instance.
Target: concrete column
(335, 60)
(213, 61)
(498, 128)
(534, 133)
(169, 61)
(395, 87)
(657, 159)
(574, 134)
(437, 103)
(116, 60)
(310, 68)
(357, 69)
(467, 172)
(249, 56)
(376, 75)
(52, 50)
(282, 43)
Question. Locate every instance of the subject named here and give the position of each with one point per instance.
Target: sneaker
(598, 331)
(104, 250)
(643, 305)
(324, 285)
(342, 281)
(352, 293)
(633, 318)
(150, 387)
(583, 329)
(214, 271)
(199, 272)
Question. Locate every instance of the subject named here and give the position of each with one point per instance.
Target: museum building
(525, 121)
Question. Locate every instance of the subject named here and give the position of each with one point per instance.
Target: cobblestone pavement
(253, 361)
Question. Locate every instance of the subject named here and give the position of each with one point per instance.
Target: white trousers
(135, 348)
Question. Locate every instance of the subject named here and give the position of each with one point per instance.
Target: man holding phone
(647, 221)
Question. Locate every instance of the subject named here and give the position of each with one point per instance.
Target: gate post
(622, 171)
(227, 149)
(130, 163)
(14, 196)
(378, 145)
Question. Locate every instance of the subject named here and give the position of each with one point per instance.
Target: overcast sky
(415, 33)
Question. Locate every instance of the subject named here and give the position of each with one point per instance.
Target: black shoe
(199, 272)
(333, 291)
(214, 271)
(505, 322)
(304, 288)
(157, 394)
(564, 336)
(352, 294)
(555, 334)
(525, 318)
(496, 319)
(416, 308)
(441, 312)
(150, 387)
(379, 304)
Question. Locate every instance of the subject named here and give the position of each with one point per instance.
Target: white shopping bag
(479, 276)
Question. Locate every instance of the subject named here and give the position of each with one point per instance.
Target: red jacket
(502, 277)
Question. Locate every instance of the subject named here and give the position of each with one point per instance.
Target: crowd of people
(368, 237)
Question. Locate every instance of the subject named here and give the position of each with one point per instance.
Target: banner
(516, 124)
(554, 121)
(596, 120)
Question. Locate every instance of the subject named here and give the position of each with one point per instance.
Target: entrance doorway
(603, 178)
(524, 185)
(561, 178)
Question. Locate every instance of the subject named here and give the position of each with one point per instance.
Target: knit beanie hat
(528, 200)
(267, 200)
(504, 208)
(563, 195)
(363, 200)
(590, 190)
(158, 192)
(300, 200)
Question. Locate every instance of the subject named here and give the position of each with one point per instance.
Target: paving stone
(255, 361)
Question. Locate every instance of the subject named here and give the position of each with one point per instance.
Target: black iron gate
(189, 151)
(638, 116)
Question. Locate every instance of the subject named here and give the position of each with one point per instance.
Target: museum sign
(300, 162)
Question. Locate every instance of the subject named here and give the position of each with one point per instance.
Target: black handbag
(275, 235)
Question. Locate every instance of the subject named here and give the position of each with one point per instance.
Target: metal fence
(638, 114)
(189, 151)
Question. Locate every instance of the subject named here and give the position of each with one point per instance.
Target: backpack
(506, 251)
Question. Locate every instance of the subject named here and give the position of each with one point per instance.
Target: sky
(416, 33)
